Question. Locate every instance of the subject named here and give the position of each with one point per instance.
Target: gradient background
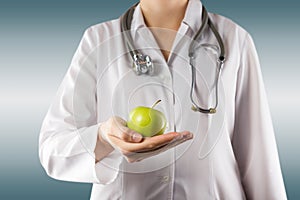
(37, 42)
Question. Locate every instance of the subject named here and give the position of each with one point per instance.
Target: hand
(133, 146)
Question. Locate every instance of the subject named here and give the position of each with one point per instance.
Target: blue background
(38, 39)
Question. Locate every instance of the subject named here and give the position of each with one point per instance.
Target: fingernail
(137, 137)
(178, 137)
(188, 135)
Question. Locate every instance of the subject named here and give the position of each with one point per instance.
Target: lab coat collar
(192, 17)
(137, 20)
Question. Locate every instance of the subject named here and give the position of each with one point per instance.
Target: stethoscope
(142, 64)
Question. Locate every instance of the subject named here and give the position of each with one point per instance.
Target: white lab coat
(233, 154)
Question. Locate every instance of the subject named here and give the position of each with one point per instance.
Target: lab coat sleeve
(70, 129)
(253, 138)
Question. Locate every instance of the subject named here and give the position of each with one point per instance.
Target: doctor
(231, 154)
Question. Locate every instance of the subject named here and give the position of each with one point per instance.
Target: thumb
(129, 135)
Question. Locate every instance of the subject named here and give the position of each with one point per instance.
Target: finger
(176, 141)
(158, 141)
(119, 120)
(128, 135)
(138, 156)
(121, 131)
(162, 140)
(150, 143)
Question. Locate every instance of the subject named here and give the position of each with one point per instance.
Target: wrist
(104, 140)
(103, 147)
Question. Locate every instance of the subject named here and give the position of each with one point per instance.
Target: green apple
(147, 121)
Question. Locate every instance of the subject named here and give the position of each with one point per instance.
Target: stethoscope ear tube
(199, 33)
(220, 41)
(221, 59)
(142, 64)
(126, 20)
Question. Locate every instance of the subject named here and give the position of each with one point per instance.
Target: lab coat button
(165, 179)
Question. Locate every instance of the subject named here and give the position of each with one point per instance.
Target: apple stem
(155, 103)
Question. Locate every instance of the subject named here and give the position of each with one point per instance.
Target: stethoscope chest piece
(143, 64)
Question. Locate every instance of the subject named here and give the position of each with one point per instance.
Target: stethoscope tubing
(126, 20)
